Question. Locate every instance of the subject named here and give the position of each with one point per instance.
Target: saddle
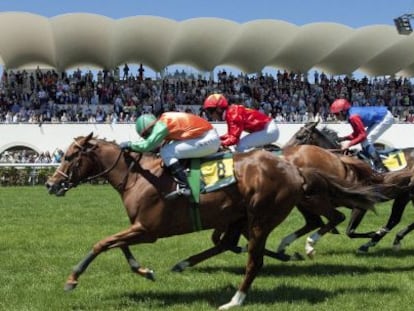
(392, 158)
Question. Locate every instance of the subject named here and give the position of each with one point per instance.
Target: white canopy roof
(70, 40)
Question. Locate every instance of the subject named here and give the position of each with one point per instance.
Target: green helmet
(143, 123)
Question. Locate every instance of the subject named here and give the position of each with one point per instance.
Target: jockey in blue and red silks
(368, 123)
(261, 129)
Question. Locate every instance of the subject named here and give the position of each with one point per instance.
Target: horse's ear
(317, 119)
(89, 136)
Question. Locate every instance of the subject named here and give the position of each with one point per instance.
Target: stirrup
(380, 169)
(179, 192)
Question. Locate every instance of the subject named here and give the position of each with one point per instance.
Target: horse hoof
(180, 267)
(396, 247)
(70, 286)
(311, 254)
(177, 268)
(238, 249)
(297, 257)
(363, 249)
(150, 275)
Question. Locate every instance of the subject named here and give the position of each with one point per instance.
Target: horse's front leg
(134, 265)
(135, 234)
(256, 248)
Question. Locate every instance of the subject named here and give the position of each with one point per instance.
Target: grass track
(42, 237)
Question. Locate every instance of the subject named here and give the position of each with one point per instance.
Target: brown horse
(345, 168)
(266, 191)
(327, 138)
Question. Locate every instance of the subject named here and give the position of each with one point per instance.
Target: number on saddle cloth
(215, 172)
(393, 159)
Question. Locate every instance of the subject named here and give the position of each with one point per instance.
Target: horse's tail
(340, 191)
(361, 170)
(397, 182)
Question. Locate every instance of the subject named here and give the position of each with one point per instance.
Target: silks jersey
(172, 126)
(361, 118)
(239, 119)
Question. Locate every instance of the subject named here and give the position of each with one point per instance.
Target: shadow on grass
(376, 251)
(315, 269)
(219, 296)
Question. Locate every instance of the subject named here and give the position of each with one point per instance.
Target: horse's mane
(330, 134)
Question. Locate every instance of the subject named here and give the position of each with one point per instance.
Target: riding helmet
(144, 124)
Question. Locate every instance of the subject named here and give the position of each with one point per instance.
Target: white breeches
(268, 135)
(375, 131)
(202, 146)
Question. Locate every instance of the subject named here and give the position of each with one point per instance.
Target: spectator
(126, 71)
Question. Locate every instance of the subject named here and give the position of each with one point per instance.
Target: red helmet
(340, 105)
(215, 100)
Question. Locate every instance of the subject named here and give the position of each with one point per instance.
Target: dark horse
(266, 191)
(328, 138)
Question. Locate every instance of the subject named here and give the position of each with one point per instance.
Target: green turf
(42, 237)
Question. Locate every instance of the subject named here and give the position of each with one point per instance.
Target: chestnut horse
(328, 138)
(266, 190)
(350, 170)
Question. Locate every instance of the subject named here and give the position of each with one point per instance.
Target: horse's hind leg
(223, 241)
(313, 221)
(400, 235)
(335, 217)
(356, 217)
(398, 208)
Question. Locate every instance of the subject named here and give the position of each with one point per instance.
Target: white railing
(34, 165)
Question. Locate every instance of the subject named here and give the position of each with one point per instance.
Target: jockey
(262, 129)
(368, 124)
(185, 135)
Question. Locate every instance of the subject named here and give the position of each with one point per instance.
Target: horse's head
(305, 135)
(77, 164)
(309, 134)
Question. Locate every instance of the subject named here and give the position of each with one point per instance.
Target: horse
(328, 138)
(309, 156)
(392, 185)
(266, 190)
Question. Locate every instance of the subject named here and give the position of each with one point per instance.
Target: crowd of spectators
(26, 156)
(110, 96)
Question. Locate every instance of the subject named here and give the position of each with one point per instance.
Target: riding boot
(379, 167)
(180, 176)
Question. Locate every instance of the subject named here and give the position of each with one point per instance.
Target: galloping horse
(327, 138)
(347, 169)
(266, 191)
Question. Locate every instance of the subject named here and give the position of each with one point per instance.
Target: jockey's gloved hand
(125, 145)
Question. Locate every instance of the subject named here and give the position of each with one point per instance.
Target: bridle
(307, 138)
(67, 183)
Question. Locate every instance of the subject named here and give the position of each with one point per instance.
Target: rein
(122, 184)
(105, 171)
